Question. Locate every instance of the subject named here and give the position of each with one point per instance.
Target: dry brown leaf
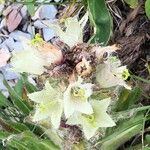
(13, 20)
(4, 57)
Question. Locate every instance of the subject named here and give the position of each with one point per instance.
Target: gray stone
(45, 12)
(8, 73)
(25, 26)
(48, 34)
(1, 8)
(31, 30)
(17, 46)
(3, 23)
(2, 86)
(24, 11)
(39, 25)
(9, 43)
(17, 34)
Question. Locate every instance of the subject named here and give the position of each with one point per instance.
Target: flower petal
(101, 117)
(52, 110)
(49, 105)
(56, 115)
(83, 107)
(74, 119)
(89, 131)
(88, 89)
(107, 79)
(77, 103)
(45, 95)
(73, 31)
(38, 97)
(27, 61)
(71, 105)
(68, 109)
(41, 114)
(77, 119)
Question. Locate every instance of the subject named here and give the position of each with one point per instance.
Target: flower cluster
(76, 104)
(73, 103)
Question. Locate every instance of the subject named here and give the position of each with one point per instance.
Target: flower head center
(78, 92)
(125, 74)
(90, 119)
(37, 39)
(42, 108)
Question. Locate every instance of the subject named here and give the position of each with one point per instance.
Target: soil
(132, 33)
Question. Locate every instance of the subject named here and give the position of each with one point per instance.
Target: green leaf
(147, 138)
(125, 130)
(17, 127)
(102, 94)
(30, 7)
(18, 145)
(17, 100)
(147, 8)
(101, 21)
(22, 84)
(140, 79)
(28, 141)
(47, 145)
(4, 134)
(19, 88)
(3, 100)
(29, 86)
(127, 98)
(132, 3)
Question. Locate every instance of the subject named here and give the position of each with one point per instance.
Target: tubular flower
(73, 33)
(111, 73)
(49, 105)
(91, 123)
(76, 98)
(28, 60)
(36, 54)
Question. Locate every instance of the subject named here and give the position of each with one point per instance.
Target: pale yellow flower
(28, 60)
(91, 123)
(76, 98)
(49, 105)
(111, 73)
(73, 33)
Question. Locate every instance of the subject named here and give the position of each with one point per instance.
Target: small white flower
(91, 123)
(36, 54)
(73, 33)
(28, 60)
(49, 105)
(111, 73)
(76, 98)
